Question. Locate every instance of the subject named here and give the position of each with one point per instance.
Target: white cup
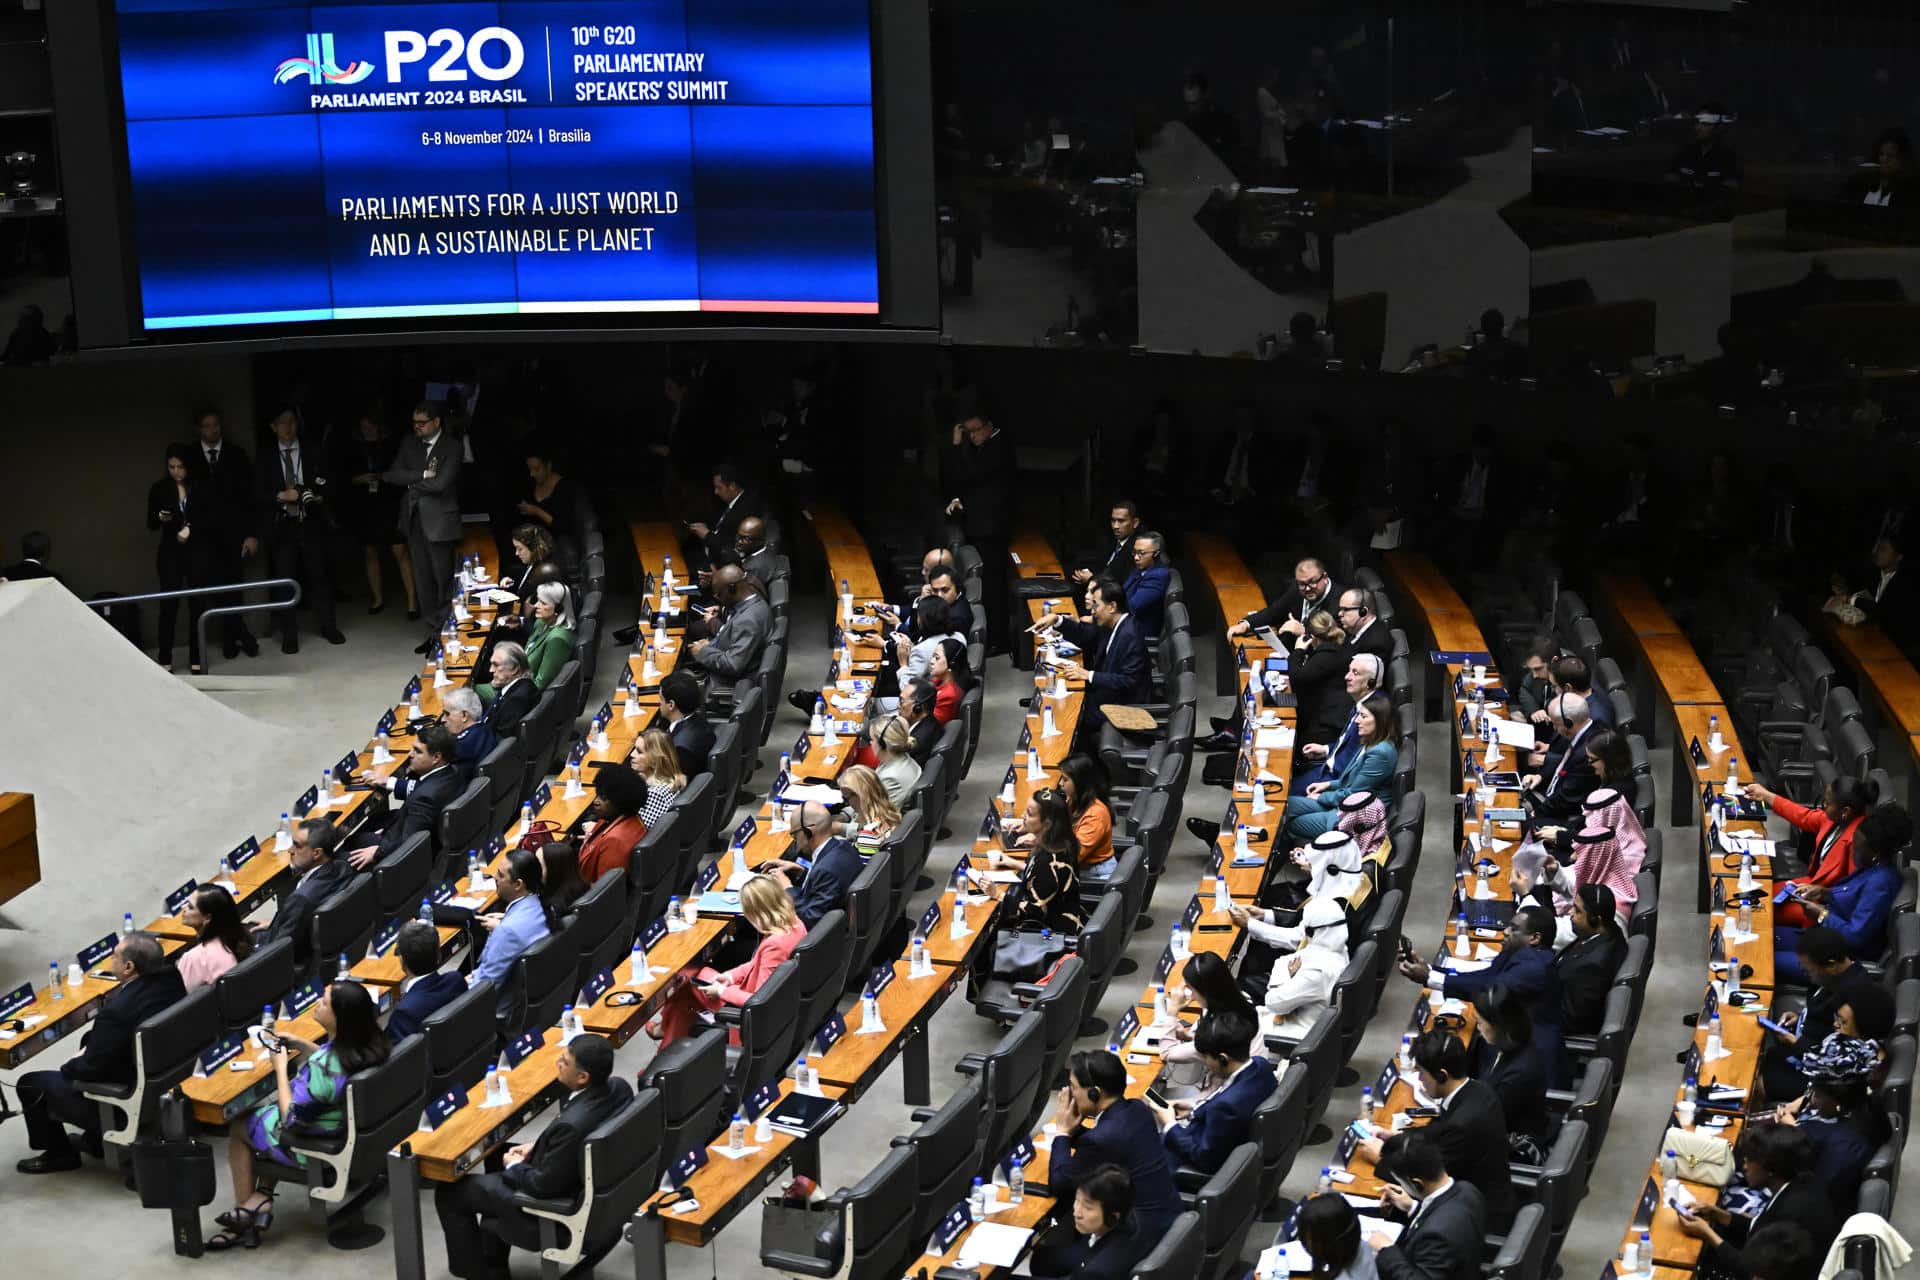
(1683, 1112)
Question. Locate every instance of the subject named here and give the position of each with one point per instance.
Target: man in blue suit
(821, 884)
(1202, 1134)
(424, 992)
(1098, 1124)
(1524, 966)
(1330, 759)
(1147, 582)
(1115, 652)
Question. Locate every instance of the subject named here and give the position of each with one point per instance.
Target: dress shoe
(626, 635)
(92, 1145)
(1690, 1020)
(1207, 831)
(804, 700)
(230, 650)
(423, 646)
(289, 644)
(413, 615)
(332, 636)
(49, 1163)
(1218, 772)
(1221, 741)
(376, 607)
(250, 647)
(1220, 723)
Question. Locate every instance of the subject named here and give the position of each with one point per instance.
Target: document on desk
(802, 794)
(1370, 1224)
(1513, 733)
(994, 1244)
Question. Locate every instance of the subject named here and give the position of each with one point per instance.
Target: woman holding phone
(180, 559)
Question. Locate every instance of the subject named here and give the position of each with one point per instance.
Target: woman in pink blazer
(770, 911)
(224, 941)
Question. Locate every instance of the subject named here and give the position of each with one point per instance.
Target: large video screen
(299, 164)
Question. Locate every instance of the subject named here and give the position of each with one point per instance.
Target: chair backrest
(1320, 1049)
(749, 712)
(929, 795)
(821, 962)
(1177, 1256)
(949, 750)
(167, 1045)
(621, 1162)
(650, 869)
(462, 825)
(383, 1106)
(344, 925)
(948, 1144)
(1853, 749)
(1616, 1029)
(906, 847)
(1563, 1178)
(1063, 1004)
(461, 1040)
(541, 982)
(690, 1076)
(1280, 1128)
(725, 772)
(1592, 1105)
(1645, 916)
(1226, 1205)
(538, 732)
(1353, 996)
(769, 1024)
(970, 714)
(1897, 1091)
(602, 925)
(879, 1217)
(696, 806)
(504, 768)
(1012, 1076)
(1100, 943)
(870, 912)
(261, 979)
(1523, 1254)
(403, 877)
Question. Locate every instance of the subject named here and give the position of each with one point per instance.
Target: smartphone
(1774, 1027)
(1406, 949)
(1213, 928)
(1153, 1096)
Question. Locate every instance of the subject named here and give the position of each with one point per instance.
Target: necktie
(290, 466)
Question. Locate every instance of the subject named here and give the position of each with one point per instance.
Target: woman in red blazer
(951, 677)
(768, 909)
(1832, 827)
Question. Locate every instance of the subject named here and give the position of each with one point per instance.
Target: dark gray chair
(690, 1076)
(870, 1237)
(263, 978)
(948, 1146)
(620, 1168)
(165, 1048)
(462, 1040)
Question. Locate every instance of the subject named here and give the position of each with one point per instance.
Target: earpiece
(1093, 1093)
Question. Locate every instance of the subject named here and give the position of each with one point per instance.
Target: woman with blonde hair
(653, 757)
(871, 812)
(766, 906)
(893, 760)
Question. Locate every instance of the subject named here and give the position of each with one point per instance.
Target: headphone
(1093, 1093)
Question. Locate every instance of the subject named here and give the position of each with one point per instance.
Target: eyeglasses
(1351, 608)
(1307, 583)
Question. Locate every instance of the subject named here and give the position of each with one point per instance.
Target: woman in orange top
(1832, 827)
(770, 911)
(618, 796)
(1084, 784)
(951, 676)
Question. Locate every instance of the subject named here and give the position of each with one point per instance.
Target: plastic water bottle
(126, 924)
(957, 926)
(786, 764)
(1406, 1054)
(1222, 898)
(1690, 1091)
(476, 868)
(1161, 1013)
(1746, 917)
(1240, 846)
(1462, 938)
(344, 970)
(919, 954)
(1178, 939)
(268, 1017)
(1713, 733)
(570, 1025)
(1669, 1164)
(805, 1077)
(494, 1083)
(674, 917)
(1746, 876)
(53, 983)
(819, 724)
(526, 817)
(219, 869)
(638, 977)
(1325, 1184)
(413, 705)
(1016, 1180)
(1366, 1104)
(286, 829)
(1733, 772)
(737, 1135)
(869, 1008)
(425, 914)
(386, 747)
(1713, 1037)
(1486, 830)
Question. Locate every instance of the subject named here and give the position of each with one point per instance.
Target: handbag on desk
(1700, 1157)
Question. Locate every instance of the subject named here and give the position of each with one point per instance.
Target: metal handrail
(219, 611)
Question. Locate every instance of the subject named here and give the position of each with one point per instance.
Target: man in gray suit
(428, 468)
(734, 650)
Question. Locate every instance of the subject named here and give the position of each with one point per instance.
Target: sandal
(241, 1218)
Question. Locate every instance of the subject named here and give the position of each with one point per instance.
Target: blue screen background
(238, 181)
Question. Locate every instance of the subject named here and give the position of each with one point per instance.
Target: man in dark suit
(316, 874)
(681, 696)
(750, 544)
(514, 692)
(52, 1100)
(1313, 591)
(479, 1214)
(1893, 599)
(224, 493)
(820, 883)
(427, 466)
(433, 785)
(982, 483)
(1446, 1218)
(1584, 968)
(462, 715)
(290, 492)
(1123, 1134)
(1113, 653)
(1524, 966)
(424, 992)
(35, 549)
(1365, 634)
(1776, 1158)
(720, 534)
(1101, 1243)
(1570, 675)
(1112, 559)
(1469, 1135)
(1202, 1134)
(1566, 775)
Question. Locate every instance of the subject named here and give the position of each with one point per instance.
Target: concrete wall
(80, 443)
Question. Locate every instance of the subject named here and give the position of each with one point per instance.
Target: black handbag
(1023, 954)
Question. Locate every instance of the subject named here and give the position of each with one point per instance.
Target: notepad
(994, 1244)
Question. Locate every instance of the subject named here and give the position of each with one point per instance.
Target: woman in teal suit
(1318, 809)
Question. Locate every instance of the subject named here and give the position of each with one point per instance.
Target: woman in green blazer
(549, 641)
(1318, 810)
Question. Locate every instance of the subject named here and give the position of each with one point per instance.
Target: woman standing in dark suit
(181, 559)
(370, 509)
